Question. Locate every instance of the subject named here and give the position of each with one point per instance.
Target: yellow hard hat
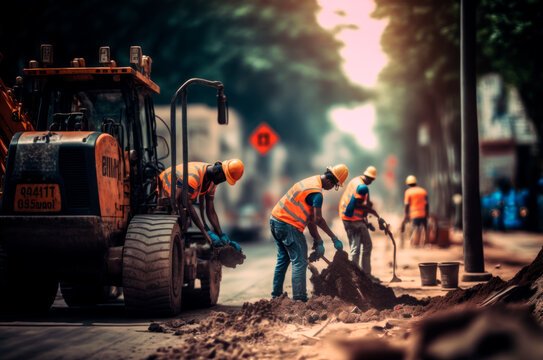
(371, 172)
(340, 172)
(233, 170)
(411, 180)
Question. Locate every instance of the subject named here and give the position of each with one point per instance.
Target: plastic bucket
(449, 274)
(428, 272)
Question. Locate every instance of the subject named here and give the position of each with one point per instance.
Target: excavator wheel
(210, 274)
(23, 289)
(211, 284)
(87, 294)
(153, 265)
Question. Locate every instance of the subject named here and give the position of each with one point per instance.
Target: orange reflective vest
(350, 190)
(196, 172)
(292, 207)
(415, 197)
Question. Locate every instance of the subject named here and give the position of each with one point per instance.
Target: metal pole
(184, 193)
(183, 92)
(474, 264)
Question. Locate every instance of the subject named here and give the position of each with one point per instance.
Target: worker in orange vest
(298, 208)
(203, 180)
(416, 210)
(354, 207)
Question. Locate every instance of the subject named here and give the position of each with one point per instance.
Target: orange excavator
(80, 206)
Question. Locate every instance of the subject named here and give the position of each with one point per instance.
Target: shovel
(386, 228)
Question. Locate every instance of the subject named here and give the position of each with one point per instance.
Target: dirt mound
(345, 280)
(229, 256)
(525, 287)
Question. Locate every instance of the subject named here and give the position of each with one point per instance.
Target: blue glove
(319, 248)
(235, 245)
(337, 243)
(217, 242)
(225, 238)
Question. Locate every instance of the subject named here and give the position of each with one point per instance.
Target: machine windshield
(82, 109)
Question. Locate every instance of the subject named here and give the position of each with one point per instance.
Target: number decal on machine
(37, 198)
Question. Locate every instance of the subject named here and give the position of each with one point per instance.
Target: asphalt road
(106, 332)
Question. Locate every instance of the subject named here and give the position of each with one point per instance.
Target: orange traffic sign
(263, 138)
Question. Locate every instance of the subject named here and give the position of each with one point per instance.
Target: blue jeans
(291, 247)
(359, 237)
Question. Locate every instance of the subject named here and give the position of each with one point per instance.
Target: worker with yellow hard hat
(354, 207)
(203, 180)
(416, 210)
(299, 208)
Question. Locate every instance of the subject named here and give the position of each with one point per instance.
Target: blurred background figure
(416, 211)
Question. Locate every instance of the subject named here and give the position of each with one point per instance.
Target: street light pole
(474, 264)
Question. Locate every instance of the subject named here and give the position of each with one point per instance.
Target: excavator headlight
(136, 56)
(104, 55)
(46, 54)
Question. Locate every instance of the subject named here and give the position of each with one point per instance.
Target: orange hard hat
(233, 170)
(340, 172)
(411, 180)
(371, 172)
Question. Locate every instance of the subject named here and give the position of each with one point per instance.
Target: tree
(422, 41)
(278, 65)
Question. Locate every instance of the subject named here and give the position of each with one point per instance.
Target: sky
(363, 60)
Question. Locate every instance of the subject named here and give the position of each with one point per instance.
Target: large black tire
(153, 265)
(210, 275)
(87, 294)
(24, 289)
(211, 284)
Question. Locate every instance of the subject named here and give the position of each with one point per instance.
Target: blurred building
(508, 157)
(507, 136)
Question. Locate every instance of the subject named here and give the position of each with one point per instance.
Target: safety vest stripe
(167, 179)
(292, 197)
(296, 217)
(195, 177)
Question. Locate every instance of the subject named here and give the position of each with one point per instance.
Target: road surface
(107, 333)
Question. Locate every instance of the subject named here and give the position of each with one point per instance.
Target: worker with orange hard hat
(416, 210)
(203, 180)
(354, 207)
(298, 208)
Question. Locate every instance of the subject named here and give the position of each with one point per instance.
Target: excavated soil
(229, 256)
(527, 285)
(345, 294)
(345, 280)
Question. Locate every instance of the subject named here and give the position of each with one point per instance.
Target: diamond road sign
(263, 138)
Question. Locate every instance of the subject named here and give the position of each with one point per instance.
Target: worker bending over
(416, 210)
(298, 208)
(203, 180)
(354, 207)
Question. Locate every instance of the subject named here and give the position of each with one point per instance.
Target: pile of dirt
(258, 328)
(229, 256)
(525, 287)
(347, 281)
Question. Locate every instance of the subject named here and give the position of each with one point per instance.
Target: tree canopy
(422, 42)
(278, 65)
